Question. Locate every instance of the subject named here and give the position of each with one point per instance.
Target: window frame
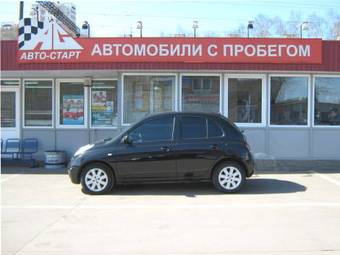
(62, 126)
(220, 108)
(313, 101)
(17, 90)
(90, 102)
(175, 100)
(152, 119)
(264, 98)
(24, 102)
(308, 100)
(11, 79)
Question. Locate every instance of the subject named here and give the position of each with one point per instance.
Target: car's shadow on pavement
(271, 186)
(253, 186)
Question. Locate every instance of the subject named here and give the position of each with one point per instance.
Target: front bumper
(74, 174)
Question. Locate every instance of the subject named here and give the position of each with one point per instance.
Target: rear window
(193, 127)
(214, 129)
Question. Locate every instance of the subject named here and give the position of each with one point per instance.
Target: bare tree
(210, 34)
(263, 26)
(279, 27)
(334, 20)
(241, 31)
(318, 26)
(9, 31)
(294, 23)
(180, 30)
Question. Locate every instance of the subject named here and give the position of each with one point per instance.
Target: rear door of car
(199, 145)
(151, 155)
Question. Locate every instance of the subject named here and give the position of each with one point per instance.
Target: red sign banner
(53, 45)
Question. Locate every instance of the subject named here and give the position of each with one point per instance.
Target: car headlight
(82, 149)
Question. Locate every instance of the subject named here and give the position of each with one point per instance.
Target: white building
(9, 31)
(69, 9)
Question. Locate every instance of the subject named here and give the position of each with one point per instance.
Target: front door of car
(148, 154)
(200, 146)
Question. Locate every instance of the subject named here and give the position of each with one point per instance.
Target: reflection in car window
(214, 130)
(154, 130)
(193, 127)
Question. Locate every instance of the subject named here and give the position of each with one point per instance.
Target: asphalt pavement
(43, 213)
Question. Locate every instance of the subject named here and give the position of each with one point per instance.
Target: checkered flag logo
(27, 29)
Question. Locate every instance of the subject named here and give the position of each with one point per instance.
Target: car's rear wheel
(229, 177)
(97, 179)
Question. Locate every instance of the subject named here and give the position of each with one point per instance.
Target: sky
(166, 18)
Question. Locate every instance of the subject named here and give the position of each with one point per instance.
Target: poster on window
(102, 109)
(73, 109)
(140, 98)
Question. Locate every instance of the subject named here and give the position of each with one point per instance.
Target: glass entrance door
(10, 113)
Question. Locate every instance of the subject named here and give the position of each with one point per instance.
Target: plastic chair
(12, 147)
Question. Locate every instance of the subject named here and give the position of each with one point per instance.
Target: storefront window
(288, 100)
(245, 100)
(72, 100)
(327, 101)
(9, 82)
(104, 103)
(201, 93)
(38, 103)
(144, 95)
(7, 109)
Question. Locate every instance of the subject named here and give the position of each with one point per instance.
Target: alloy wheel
(96, 179)
(230, 178)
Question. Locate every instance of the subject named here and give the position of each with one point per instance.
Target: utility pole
(195, 26)
(21, 10)
(86, 26)
(140, 27)
(37, 12)
(250, 26)
(303, 26)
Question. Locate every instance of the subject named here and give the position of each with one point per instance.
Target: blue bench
(20, 149)
(12, 147)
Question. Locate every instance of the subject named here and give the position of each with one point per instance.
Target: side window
(193, 127)
(154, 130)
(214, 130)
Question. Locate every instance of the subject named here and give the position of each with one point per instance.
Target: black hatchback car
(168, 147)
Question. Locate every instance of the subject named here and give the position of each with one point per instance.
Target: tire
(229, 177)
(97, 179)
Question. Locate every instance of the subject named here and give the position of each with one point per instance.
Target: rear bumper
(250, 165)
(251, 171)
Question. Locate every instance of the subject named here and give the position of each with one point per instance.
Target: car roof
(205, 114)
(185, 113)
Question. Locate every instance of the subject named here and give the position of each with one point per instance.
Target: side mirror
(126, 139)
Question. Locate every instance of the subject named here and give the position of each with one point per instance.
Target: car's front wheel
(229, 177)
(97, 179)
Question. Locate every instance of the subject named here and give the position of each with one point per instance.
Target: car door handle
(214, 146)
(165, 148)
